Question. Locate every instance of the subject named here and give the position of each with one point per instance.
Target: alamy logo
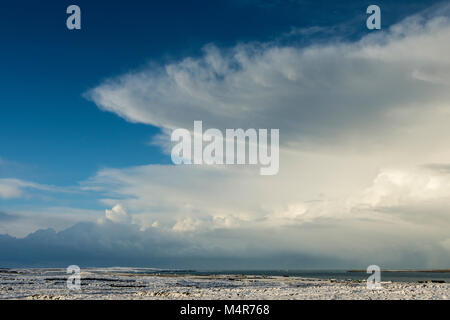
(251, 146)
(74, 280)
(374, 281)
(73, 22)
(373, 22)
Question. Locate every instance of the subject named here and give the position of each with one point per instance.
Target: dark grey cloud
(111, 244)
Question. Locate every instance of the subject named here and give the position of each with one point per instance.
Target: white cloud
(188, 224)
(394, 187)
(9, 190)
(15, 188)
(118, 214)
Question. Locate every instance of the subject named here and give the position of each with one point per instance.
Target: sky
(86, 175)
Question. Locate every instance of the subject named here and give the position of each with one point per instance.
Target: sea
(391, 275)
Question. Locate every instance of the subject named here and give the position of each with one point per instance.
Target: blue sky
(61, 151)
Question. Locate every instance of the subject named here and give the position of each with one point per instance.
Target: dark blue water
(404, 276)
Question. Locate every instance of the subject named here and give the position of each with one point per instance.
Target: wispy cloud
(15, 188)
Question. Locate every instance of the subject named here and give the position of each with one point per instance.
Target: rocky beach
(110, 283)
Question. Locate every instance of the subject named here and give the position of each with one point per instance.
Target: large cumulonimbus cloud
(364, 149)
(363, 127)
